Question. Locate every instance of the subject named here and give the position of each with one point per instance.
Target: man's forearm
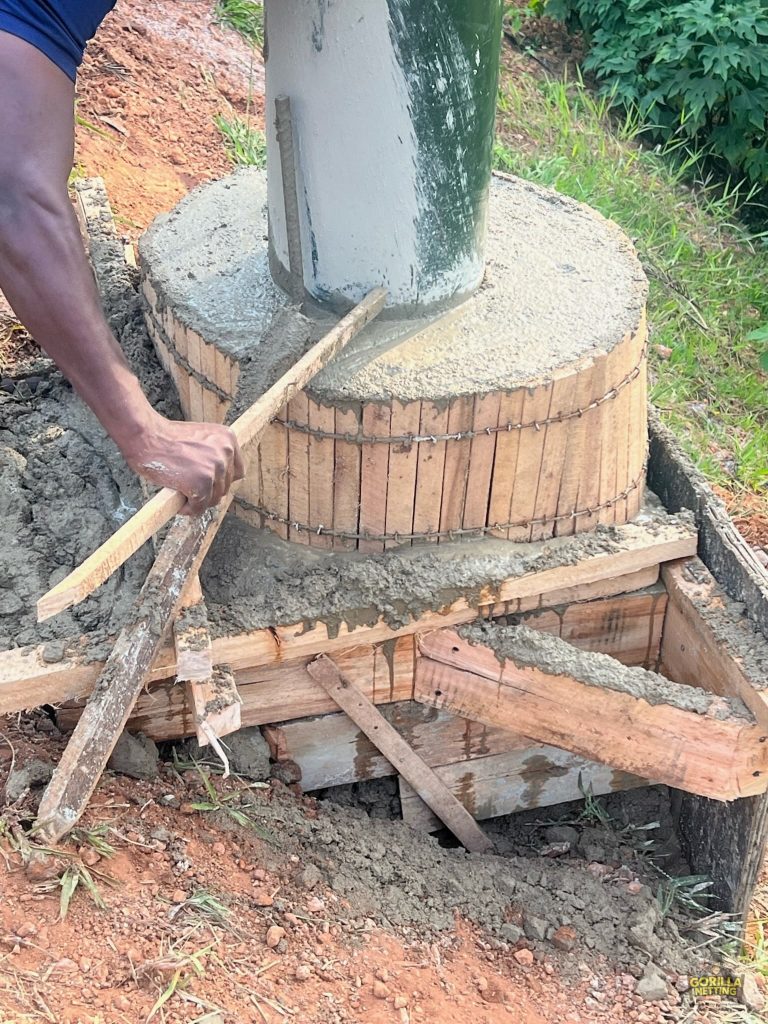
(46, 277)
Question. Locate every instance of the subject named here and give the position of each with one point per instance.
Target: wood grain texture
(397, 751)
(709, 642)
(717, 754)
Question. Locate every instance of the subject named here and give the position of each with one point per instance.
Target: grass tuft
(708, 305)
(246, 17)
(245, 144)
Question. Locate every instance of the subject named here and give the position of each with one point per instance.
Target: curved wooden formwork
(552, 459)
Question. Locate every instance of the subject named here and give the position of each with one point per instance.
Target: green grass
(708, 275)
(246, 17)
(245, 144)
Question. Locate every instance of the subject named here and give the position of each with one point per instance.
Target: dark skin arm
(46, 277)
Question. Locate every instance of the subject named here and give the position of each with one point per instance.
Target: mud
(371, 867)
(253, 579)
(530, 648)
(64, 487)
(208, 259)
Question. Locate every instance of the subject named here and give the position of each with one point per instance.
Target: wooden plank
(628, 627)
(707, 747)
(346, 479)
(331, 750)
(481, 461)
(211, 690)
(520, 780)
(374, 476)
(505, 465)
(597, 435)
(248, 428)
(192, 637)
(216, 705)
(708, 640)
(429, 787)
(456, 466)
(122, 679)
(430, 470)
(27, 680)
(579, 456)
(724, 841)
(321, 465)
(403, 461)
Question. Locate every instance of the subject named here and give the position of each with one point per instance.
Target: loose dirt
(265, 904)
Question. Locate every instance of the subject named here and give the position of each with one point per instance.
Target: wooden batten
(374, 477)
(430, 470)
(320, 451)
(712, 749)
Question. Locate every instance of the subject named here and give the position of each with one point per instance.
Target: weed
(207, 906)
(245, 144)
(183, 967)
(707, 273)
(94, 837)
(246, 17)
(225, 802)
(593, 811)
(687, 890)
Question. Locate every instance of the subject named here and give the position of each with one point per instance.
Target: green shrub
(697, 71)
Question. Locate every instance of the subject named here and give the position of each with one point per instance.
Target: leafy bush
(698, 71)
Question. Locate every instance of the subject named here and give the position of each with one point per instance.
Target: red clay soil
(269, 950)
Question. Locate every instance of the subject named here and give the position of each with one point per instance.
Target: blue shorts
(59, 28)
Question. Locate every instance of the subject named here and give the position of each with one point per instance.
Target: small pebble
(263, 899)
(219, 849)
(302, 972)
(178, 896)
(523, 957)
(400, 1002)
(274, 935)
(315, 905)
(380, 990)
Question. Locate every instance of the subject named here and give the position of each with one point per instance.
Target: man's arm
(46, 277)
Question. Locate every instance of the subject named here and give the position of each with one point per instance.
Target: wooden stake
(429, 787)
(248, 428)
(284, 126)
(140, 641)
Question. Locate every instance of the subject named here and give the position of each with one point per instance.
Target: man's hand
(202, 460)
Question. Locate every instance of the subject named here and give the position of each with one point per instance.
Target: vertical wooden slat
(505, 465)
(589, 483)
(346, 479)
(552, 458)
(374, 476)
(430, 470)
(481, 460)
(298, 470)
(321, 489)
(578, 454)
(456, 465)
(535, 410)
(403, 461)
(272, 492)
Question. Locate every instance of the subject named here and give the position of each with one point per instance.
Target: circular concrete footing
(520, 414)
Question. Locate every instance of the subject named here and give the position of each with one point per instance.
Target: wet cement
(253, 579)
(561, 284)
(64, 488)
(530, 648)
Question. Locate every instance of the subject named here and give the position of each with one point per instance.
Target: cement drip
(465, 532)
(561, 285)
(530, 648)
